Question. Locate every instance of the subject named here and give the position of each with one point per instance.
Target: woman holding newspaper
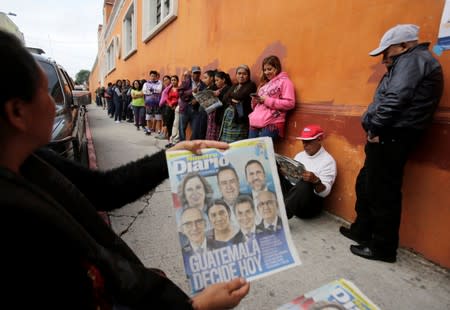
(78, 261)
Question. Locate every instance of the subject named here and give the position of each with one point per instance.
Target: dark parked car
(69, 135)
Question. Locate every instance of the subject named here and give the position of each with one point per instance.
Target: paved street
(148, 226)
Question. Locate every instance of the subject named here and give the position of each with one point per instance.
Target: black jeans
(300, 199)
(378, 191)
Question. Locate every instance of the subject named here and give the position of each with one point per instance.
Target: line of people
(168, 106)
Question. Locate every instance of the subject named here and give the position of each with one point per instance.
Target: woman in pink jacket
(275, 97)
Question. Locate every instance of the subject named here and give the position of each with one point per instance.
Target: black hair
(17, 65)
(224, 76)
(223, 168)
(218, 202)
(211, 73)
(244, 199)
(153, 72)
(139, 83)
(254, 161)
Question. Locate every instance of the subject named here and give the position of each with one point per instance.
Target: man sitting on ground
(305, 199)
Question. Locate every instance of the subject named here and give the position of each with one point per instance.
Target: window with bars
(129, 31)
(110, 57)
(156, 15)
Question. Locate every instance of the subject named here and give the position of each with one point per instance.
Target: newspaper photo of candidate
(230, 213)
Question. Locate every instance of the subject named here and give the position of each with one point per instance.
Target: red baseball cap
(310, 132)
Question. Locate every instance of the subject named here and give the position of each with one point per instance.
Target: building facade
(323, 45)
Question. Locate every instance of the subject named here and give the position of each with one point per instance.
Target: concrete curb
(92, 160)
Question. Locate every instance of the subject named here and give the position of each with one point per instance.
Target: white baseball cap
(395, 35)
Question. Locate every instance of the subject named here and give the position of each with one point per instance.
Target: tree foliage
(82, 76)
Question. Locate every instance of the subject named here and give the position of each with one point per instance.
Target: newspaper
(289, 168)
(219, 243)
(340, 294)
(207, 100)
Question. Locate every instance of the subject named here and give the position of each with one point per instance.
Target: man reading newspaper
(305, 198)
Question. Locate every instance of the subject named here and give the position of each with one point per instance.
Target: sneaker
(169, 145)
(137, 128)
(161, 137)
(117, 122)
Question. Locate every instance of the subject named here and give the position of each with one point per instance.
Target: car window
(54, 87)
(67, 78)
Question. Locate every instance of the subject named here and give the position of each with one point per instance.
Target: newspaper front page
(207, 100)
(289, 168)
(340, 295)
(230, 214)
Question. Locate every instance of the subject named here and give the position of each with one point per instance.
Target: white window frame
(110, 57)
(150, 26)
(129, 31)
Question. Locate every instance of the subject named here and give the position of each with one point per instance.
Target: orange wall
(323, 45)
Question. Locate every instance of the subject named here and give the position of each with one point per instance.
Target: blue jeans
(197, 121)
(268, 131)
(139, 116)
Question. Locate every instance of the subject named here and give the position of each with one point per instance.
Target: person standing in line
(118, 101)
(189, 107)
(102, 95)
(214, 118)
(275, 97)
(237, 103)
(401, 109)
(98, 95)
(305, 198)
(127, 107)
(109, 99)
(173, 114)
(138, 104)
(85, 264)
(152, 92)
(210, 84)
(163, 108)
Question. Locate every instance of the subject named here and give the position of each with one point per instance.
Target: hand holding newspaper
(230, 215)
(207, 100)
(289, 168)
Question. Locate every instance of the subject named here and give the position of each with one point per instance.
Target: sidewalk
(148, 226)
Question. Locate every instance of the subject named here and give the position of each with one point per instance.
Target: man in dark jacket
(57, 251)
(189, 107)
(402, 108)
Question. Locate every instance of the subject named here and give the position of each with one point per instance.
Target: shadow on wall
(276, 48)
